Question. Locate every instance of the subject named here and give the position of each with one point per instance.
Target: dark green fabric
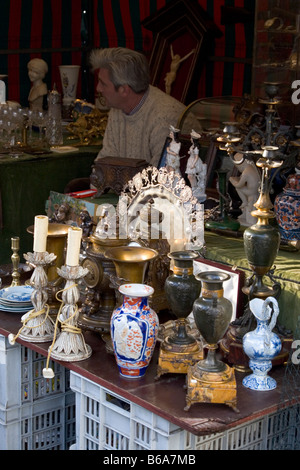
(287, 272)
(25, 185)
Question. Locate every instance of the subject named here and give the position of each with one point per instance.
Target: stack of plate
(16, 299)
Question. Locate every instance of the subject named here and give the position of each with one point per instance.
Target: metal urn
(182, 289)
(100, 298)
(211, 380)
(180, 349)
(262, 240)
(131, 262)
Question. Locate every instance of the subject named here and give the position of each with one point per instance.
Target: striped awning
(54, 31)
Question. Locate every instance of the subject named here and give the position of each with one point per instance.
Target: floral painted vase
(287, 209)
(262, 345)
(134, 328)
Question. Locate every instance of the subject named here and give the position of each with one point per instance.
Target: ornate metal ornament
(174, 212)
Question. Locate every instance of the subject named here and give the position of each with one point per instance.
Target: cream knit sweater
(142, 135)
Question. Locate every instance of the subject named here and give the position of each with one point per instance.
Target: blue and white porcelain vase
(262, 345)
(134, 328)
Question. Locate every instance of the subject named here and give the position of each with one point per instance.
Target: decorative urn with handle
(262, 345)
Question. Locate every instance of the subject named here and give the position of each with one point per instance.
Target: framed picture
(232, 287)
(183, 33)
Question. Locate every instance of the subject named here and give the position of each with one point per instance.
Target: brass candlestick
(15, 258)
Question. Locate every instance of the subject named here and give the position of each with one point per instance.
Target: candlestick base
(38, 327)
(71, 348)
(70, 345)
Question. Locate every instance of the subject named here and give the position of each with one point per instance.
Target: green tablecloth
(25, 184)
(287, 272)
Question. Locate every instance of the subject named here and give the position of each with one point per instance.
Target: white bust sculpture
(37, 69)
(246, 186)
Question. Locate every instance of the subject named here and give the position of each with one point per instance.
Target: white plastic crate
(105, 420)
(35, 413)
(276, 431)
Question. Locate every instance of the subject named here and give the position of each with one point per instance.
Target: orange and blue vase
(287, 209)
(134, 328)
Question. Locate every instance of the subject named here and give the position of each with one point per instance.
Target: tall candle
(73, 246)
(40, 233)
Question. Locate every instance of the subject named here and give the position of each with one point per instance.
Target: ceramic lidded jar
(262, 345)
(134, 329)
(287, 209)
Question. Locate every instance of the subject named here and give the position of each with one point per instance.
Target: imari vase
(287, 209)
(134, 329)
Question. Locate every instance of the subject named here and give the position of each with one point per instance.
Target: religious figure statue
(37, 98)
(173, 149)
(246, 186)
(175, 63)
(196, 170)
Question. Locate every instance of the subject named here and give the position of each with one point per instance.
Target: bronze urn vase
(182, 288)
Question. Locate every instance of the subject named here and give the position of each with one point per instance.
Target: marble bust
(37, 70)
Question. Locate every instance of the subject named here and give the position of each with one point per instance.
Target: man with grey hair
(140, 114)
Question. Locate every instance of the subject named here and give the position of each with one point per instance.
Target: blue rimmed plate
(14, 309)
(16, 295)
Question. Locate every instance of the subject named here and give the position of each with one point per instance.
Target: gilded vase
(134, 329)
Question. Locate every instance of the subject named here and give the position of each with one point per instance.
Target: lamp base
(70, 347)
(176, 359)
(211, 387)
(38, 329)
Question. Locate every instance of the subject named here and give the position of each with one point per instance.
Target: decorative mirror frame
(167, 193)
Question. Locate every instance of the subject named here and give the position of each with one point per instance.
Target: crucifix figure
(175, 63)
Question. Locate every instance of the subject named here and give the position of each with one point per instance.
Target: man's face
(107, 89)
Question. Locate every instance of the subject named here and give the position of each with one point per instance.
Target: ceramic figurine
(37, 69)
(196, 170)
(175, 63)
(173, 149)
(87, 224)
(262, 345)
(134, 329)
(60, 216)
(246, 186)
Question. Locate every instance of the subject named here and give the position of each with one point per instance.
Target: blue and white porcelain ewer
(261, 345)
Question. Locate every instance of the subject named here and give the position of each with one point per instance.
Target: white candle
(40, 233)
(73, 247)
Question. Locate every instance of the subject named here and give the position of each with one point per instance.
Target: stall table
(230, 251)
(119, 407)
(25, 184)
